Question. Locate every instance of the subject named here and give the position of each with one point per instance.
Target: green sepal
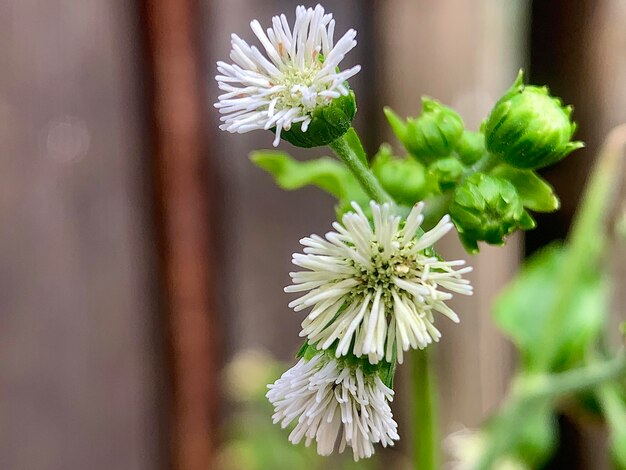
(403, 179)
(469, 243)
(526, 221)
(528, 128)
(536, 193)
(328, 123)
(398, 126)
(307, 351)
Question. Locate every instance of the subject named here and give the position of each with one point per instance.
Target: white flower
(374, 290)
(298, 75)
(330, 400)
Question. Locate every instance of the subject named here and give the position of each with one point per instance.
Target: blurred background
(142, 256)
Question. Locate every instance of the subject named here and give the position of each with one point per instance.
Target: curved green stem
(587, 236)
(532, 392)
(349, 150)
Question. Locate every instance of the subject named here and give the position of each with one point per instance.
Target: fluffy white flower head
(331, 401)
(298, 75)
(375, 290)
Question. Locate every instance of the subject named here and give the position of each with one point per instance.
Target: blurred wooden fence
(139, 248)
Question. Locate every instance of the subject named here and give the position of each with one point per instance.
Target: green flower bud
(403, 179)
(328, 123)
(530, 129)
(488, 209)
(447, 172)
(432, 135)
(471, 147)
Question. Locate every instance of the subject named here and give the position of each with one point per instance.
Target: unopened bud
(530, 129)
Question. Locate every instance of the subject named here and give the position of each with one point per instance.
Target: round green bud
(403, 179)
(328, 123)
(434, 133)
(471, 147)
(530, 129)
(486, 208)
(447, 172)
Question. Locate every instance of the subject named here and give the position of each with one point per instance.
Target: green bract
(328, 123)
(471, 147)
(432, 135)
(404, 179)
(528, 128)
(488, 209)
(447, 172)
(536, 193)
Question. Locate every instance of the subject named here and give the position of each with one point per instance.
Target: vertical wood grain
(184, 218)
(78, 379)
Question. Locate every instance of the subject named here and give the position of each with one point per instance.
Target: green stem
(425, 411)
(485, 164)
(586, 238)
(613, 410)
(349, 151)
(538, 390)
(576, 380)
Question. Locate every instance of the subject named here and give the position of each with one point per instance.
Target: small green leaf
(352, 138)
(325, 173)
(536, 193)
(521, 311)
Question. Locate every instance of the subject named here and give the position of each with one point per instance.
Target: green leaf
(537, 436)
(521, 311)
(325, 173)
(535, 192)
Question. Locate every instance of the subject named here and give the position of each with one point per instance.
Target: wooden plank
(184, 207)
(77, 365)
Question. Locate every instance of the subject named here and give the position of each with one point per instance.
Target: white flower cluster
(331, 401)
(374, 290)
(298, 75)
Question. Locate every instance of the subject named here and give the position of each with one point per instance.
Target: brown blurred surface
(78, 379)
